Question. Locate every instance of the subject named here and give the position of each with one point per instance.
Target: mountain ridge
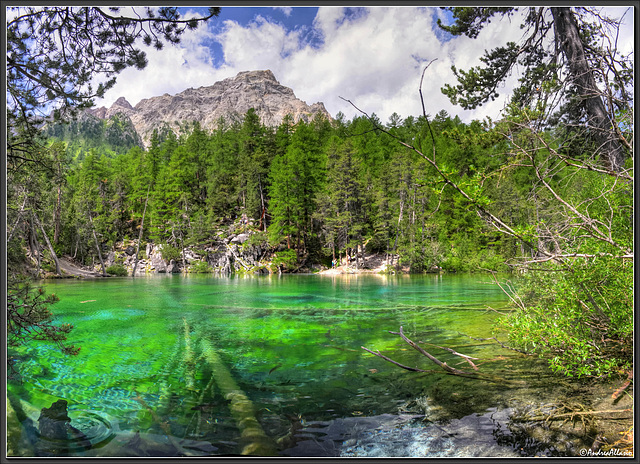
(230, 98)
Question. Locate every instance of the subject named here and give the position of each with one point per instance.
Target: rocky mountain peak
(266, 75)
(123, 103)
(230, 98)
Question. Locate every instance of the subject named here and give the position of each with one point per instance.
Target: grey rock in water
(230, 98)
(54, 421)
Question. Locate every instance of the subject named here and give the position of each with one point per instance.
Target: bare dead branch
(446, 368)
(377, 353)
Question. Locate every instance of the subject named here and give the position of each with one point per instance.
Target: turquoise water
(144, 383)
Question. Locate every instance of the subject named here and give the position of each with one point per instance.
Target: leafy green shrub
(200, 267)
(581, 321)
(117, 270)
(15, 254)
(489, 260)
(287, 259)
(169, 252)
(49, 267)
(257, 239)
(58, 248)
(452, 264)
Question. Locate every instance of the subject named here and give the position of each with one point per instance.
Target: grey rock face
(241, 238)
(230, 98)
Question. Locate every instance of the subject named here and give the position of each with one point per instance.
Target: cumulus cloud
(373, 57)
(170, 70)
(287, 10)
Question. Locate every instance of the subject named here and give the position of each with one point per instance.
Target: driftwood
(443, 365)
(237, 257)
(572, 414)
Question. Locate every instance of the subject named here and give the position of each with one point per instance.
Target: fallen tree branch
(463, 356)
(443, 365)
(580, 413)
(237, 257)
(447, 369)
(377, 353)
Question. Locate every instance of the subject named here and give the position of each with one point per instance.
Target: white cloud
(374, 59)
(170, 70)
(287, 10)
(261, 45)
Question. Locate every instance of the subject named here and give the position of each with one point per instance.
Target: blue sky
(300, 19)
(372, 56)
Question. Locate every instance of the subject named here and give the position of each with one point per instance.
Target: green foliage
(296, 176)
(117, 270)
(169, 252)
(29, 317)
(312, 186)
(470, 21)
(582, 321)
(257, 239)
(286, 260)
(200, 267)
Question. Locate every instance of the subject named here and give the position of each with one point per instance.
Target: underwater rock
(57, 435)
(54, 421)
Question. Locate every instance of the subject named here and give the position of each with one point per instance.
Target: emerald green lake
(147, 384)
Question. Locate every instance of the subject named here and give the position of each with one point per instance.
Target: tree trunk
(15, 225)
(263, 218)
(53, 253)
(253, 439)
(184, 260)
(356, 250)
(135, 263)
(395, 243)
(57, 212)
(34, 245)
(568, 36)
(95, 237)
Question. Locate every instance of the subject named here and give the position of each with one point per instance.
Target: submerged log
(188, 358)
(257, 443)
